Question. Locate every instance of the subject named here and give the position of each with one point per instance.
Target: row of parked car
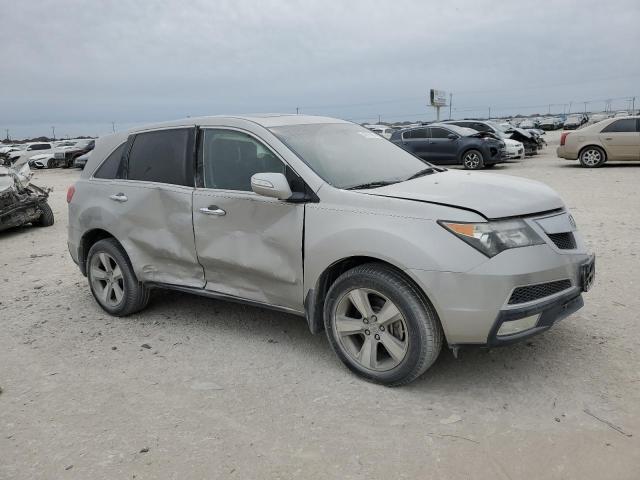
(64, 153)
(473, 144)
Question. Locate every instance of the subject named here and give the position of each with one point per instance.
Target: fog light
(517, 326)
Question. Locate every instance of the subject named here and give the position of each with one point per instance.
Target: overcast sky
(81, 65)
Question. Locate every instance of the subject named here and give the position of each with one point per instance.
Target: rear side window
(439, 132)
(112, 166)
(416, 133)
(625, 125)
(40, 146)
(164, 156)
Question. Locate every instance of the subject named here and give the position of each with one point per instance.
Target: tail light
(563, 137)
(70, 192)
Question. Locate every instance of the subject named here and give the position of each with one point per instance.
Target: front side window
(620, 126)
(230, 158)
(346, 155)
(163, 156)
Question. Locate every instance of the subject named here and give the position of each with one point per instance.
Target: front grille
(536, 292)
(564, 241)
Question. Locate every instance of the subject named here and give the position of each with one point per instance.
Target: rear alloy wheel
(472, 160)
(112, 280)
(380, 326)
(592, 157)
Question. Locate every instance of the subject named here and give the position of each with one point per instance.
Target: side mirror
(273, 185)
(452, 136)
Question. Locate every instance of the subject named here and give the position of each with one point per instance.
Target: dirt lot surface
(229, 391)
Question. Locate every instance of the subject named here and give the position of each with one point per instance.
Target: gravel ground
(229, 391)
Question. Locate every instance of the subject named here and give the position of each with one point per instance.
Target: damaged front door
(250, 246)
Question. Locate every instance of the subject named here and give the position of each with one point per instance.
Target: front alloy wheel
(371, 329)
(380, 325)
(472, 160)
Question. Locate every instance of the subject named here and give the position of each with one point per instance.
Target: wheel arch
(87, 240)
(315, 297)
(592, 145)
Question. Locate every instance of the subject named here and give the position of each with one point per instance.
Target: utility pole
(570, 103)
(633, 105)
(585, 107)
(7, 132)
(297, 110)
(378, 119)
(113, 126)
(53, 132)
(450, 104)
(489, 114)
(549, 111)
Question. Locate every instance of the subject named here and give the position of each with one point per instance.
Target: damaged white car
(22, 202)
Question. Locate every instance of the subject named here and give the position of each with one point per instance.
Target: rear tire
(393, 336)
(51, 163)
(112, 280)
(473, 160)
(592, 157)
(46, 216)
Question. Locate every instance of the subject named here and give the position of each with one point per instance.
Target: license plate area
(588, 274)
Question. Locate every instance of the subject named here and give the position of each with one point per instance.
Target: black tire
(423, 334)
(46, 216)
(592, 157)
(51, 163)
(135, 295)
(473, 160)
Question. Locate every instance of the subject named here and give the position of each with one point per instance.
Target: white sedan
(515, 149)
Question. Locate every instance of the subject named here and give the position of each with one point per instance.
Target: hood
(511, 142)
(493, 196)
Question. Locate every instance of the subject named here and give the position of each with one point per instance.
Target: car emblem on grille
(572, 221)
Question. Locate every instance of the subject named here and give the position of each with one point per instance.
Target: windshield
(347, 155)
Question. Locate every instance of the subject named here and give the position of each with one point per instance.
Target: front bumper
(473, 305)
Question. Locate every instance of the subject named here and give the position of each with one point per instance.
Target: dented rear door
(249, 245)
(150, 208)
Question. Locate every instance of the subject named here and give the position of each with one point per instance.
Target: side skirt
(223, 296)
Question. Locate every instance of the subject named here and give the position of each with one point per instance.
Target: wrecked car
(390, 255)
(21, 202)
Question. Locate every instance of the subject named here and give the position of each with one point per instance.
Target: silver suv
(324, 219)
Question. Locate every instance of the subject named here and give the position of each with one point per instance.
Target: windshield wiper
(376, 184)
(422, 173)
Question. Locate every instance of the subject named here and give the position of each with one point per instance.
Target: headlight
(491, 238)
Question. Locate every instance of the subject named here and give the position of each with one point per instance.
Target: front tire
(380, 326)
(473, 160)
(46, 216)
(592, 157)
(113, 283)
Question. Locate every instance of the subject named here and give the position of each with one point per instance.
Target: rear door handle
(608, 138)
(213, 210)
(119, 197)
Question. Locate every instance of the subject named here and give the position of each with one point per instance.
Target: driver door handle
(213, 210)
(119, 197)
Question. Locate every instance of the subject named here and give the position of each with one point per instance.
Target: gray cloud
(80, 65)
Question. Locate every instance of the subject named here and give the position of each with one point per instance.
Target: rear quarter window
(621, 126)
(112, 167)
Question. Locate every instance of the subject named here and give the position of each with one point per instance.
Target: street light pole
(450, 104)
(53, 132)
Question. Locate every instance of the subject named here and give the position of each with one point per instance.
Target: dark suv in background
(452, 145)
